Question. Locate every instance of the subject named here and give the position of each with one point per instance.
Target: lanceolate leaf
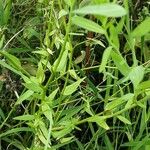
(87, 24)
(123, 119)
(73, 87)
(108, 10)
(25, 117)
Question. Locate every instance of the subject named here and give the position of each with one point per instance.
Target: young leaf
(73, 87)
(105, 58)
(142, 29)
(108, 10)
(87, 24)
(123, 119)
(24, 117)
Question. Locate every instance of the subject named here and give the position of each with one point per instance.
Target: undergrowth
(74, 75)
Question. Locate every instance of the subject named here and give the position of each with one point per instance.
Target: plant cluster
(74, 75)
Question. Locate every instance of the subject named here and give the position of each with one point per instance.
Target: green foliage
(74, 75)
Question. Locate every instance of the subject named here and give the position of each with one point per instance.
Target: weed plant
(74, 75)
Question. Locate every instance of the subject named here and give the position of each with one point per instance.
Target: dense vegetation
(74, 75)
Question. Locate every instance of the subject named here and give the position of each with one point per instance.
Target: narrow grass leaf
(123, 119)
(24, 117)
(87, 24)
(142, 29)
(105, 59)
(73, 87)
(108, 10)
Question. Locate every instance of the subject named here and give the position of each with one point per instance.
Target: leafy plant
(72, 68)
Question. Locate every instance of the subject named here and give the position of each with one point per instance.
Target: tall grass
(74, 75)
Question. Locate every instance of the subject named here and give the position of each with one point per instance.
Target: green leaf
(33, 87)
(136, 75)
(144, 85)
(52, 95)
(69, 2)
(120, 63)
(87, 24)
(14, 61)
(10, 67)
(73, 87)
(80, 58)
(114, 36)
(114, 103)
(2, 114)
(7, 11)
(100, 120)
(15, 130)
(73, 74)
(123, 119)
(40, 73)
(24, 117)
(47, 112)
(24, 96)
(105, 58)
(142, 29)
(108, 10)
(62, 13)
(108, 143)
(63, 62)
